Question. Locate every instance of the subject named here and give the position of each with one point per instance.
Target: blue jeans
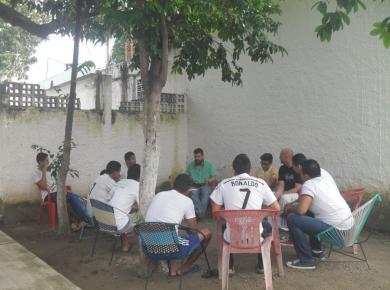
(301, 225)
(79, 207)
(200, 197)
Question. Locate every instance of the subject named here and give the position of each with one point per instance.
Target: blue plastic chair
(160, 241)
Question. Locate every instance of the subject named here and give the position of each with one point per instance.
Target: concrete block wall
(99, 139)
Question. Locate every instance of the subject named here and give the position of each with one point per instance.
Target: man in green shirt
(203, 176)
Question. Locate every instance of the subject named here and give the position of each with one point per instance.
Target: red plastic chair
(51, 208)
(245, 238)
(354, 197)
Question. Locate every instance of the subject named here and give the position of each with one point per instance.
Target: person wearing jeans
(320, 206)
(203, 176)
(200, 197)
(300, 226)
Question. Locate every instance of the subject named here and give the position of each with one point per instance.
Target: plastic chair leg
(94, 243)
(225, 266)
(113, 249)
(52, 214)
(266, 255)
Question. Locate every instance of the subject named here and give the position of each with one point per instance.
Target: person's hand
(288, 208)
(45, 165)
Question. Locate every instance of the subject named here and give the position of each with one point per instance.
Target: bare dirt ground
(71, 257)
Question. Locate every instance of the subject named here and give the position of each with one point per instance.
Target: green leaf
(375, 32)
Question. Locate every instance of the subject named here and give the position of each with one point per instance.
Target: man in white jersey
(322, 198)
(243, 192)
(125, 200)
(174, 206)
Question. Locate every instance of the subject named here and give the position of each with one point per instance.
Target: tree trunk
(124, 69)
(153, 80)
(151, 160)
(63, 220)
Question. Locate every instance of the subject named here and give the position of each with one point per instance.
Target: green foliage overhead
(203, 34)
(17, 47)
(382, 30)
(335, 18)
(117, 54)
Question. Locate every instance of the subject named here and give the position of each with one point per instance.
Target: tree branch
(164, 50)
(15, 18)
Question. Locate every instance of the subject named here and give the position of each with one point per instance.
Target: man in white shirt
(174, 206)
(322, 198)
(243, 191)
(101, 187)
(125, 200)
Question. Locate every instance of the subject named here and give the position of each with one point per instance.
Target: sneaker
(287, 243)
(231, 272)
(319, 254)
(297, 264)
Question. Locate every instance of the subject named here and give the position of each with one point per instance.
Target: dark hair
(41, 157)
(113, 166)
(103, 172)
(267, 157)
(298, 159)
(198, 151)
(311, 168)
(182, 183)
(134, 172)
(241, 164)
(128, 155)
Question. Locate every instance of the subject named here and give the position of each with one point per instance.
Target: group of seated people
(306, 195)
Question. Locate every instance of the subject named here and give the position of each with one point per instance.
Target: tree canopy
(17, 46)
(335, 14)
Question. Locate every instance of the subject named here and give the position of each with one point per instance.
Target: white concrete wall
(330, 101)
(97, 143)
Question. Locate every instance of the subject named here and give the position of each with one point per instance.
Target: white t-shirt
(100, 190)
(231, 193)
(124, 170)
(125, 194)
(170, 207)
(51, 182)
(328, 205)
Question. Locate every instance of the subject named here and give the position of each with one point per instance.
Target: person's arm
(43, 182)
(134, 207)
(279, 189)
(275, 205)
(192, 223)
(296, 189)
(304, 202)
(215, 206)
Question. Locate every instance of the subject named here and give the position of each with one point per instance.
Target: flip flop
(193, 269)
